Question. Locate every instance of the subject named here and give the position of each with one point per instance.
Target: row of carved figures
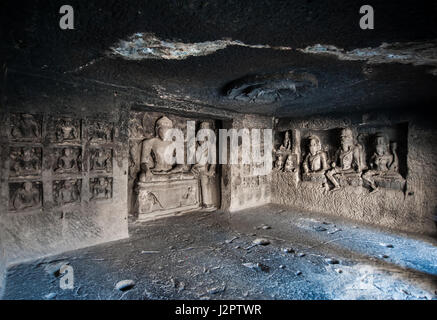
(349, 161)
(27, 161)
(28, 127)
(28, 194)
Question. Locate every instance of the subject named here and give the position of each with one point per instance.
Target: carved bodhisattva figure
(316, 160)
(101, 160)
(384, 162)
(349, 157)
(66, 192)
(25, 161)
(280, 161)
(207, 174)
(286, 145)
(100, 131)
(101, 188)
(25, 127)
(154, 152)
(69, 161)
(26, 197)
(66, 130)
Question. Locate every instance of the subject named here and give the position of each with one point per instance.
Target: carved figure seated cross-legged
(26, 196)
(154, 152)
(383, 163)
(315, 163)
(280, 161)
(286, 145)
(68, 161)
(349, 157)
(290, 163)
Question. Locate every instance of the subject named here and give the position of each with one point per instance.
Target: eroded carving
(67, 130)
(149, 202)
(101, 188)
(315, 163)
(348, 162)
(207, 174)
(285, 160)
(25, 161)
(26, 195)
(384, 165)
(280, 161)
(286, 145)
(169, 196)
(66, 191)
(99, 131)
(133, 147)
(272, 87)
(101, 160)
(25, 127)
(153, 153)
(291, 163)
(68, 160)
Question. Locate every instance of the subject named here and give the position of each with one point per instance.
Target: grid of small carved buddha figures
(58, 153)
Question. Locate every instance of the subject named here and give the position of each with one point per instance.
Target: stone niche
(377, 156)
(157, 189)
(384, 171)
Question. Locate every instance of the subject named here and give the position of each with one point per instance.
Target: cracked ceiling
(192, 51)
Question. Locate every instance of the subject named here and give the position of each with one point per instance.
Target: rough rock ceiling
(194, 50)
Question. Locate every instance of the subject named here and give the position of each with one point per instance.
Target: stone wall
(64, 168)
(244, 188)
(406, 195)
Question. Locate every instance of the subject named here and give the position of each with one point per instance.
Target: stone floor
(211, 256)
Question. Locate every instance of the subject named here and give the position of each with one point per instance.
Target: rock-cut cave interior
(223, 150)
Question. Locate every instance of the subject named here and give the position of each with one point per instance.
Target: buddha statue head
(314, 144)
(347, 139)
(381, 144)
(162, 125)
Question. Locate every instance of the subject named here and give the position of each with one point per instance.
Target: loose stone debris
(50, 296)
(125, 285)
(332, 261)
(387, 245)
(257, 266)
(320, 228)
(231, 240)
(261, 242)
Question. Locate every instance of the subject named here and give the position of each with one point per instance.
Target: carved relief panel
(67, 191)
(47, 152)
(25, 161)
(25, 127)
(101, 188)
(100, 131)
(364, 156)
(101, 160)
(67, 160)
(25, 195)
(64, 130)
(284, 158)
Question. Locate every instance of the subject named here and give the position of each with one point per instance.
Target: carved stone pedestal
(314, 177)
(163, 197)
(390, 183)
(349, 179)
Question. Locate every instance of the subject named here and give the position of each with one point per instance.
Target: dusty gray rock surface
(188, 258)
